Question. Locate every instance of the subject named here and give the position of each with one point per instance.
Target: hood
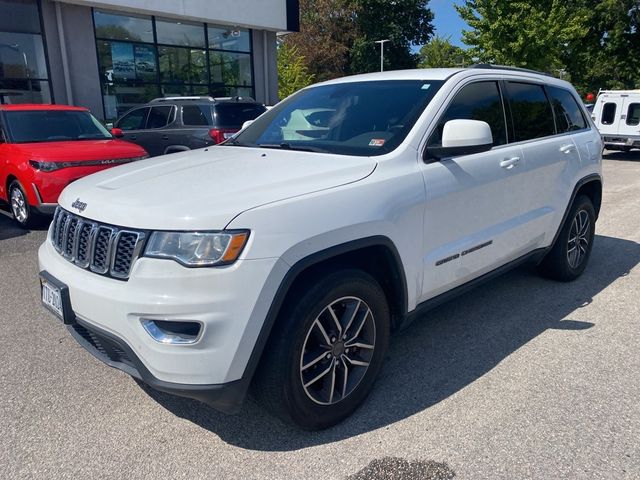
(205, 189)
(80, 150)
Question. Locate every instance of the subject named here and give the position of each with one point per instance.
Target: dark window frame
(587, 125)
(628, 116)
(613, 115)
(509, 101)
(452, 97)
(130, 111)
(170, 118)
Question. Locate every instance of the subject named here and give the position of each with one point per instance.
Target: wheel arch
(388, 271)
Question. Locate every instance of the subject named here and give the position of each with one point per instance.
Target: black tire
(562, 262)
(278, 383)
(22, 212)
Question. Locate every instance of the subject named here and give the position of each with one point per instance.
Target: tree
(441, 53)
(327, 31)
(523, 33)
(404, 22)
(292, 71)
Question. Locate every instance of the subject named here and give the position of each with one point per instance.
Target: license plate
(52, 299)
(55, 298)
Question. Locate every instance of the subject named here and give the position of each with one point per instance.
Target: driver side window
(134, 120)
(476, 101)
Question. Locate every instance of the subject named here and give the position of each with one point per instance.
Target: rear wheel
(326, 350)
(568, 257)
(20, 208)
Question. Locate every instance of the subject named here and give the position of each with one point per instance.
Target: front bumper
(224, 300)
(115, 352)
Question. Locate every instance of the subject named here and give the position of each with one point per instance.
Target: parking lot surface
(520, 378)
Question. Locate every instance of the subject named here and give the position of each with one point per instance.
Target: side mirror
(463, 137)
(117, 132)
(246, 124)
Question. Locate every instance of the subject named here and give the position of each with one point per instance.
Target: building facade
(111, 55)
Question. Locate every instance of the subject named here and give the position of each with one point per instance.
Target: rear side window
(567, 111)
(235, 114)
(608, 114)
(197, 115)
(477, 101)
(134, 120)
(633, 114)
(159, 117)
(531, 111)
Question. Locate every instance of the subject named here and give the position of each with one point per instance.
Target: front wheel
(20, 208)
(326, 350)
(568, 257)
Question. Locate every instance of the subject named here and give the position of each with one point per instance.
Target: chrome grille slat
(102, 249)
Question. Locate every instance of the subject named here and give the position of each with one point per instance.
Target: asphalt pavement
(522, 378)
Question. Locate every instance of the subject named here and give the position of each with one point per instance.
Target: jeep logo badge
(79, 205)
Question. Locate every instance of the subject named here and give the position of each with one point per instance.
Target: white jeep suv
(284, 258)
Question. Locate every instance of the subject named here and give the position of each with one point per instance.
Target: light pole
(382, 42)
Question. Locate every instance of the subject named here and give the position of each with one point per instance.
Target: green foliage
(441, 53)
(292, 71)
(404, 22)
(593, 44)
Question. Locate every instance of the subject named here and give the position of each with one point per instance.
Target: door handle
(568, 148)
(509, 163)
(133, 137)
(165, 137)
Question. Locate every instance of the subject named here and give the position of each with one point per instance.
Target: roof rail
(173, 99)
(504, 67)
(236, 98)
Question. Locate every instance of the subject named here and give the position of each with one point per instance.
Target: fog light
(172, 332)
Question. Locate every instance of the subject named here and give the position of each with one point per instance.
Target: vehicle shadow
(9, 229)
(440, 354)
(633, 155)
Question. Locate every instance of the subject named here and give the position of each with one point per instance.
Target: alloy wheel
(19, 205)
(337, 350)
(578, 243)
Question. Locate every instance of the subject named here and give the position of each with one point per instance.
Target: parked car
(43, 148)
(285, 263)
(176, 124)
(617, 116)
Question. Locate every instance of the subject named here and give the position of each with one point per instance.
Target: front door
(474, 218)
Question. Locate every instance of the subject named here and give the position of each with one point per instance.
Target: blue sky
(446, 20)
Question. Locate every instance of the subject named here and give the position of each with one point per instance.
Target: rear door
(551, 159)
(473, 214)
(630, 119)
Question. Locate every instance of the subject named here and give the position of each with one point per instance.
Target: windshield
(30, 126)
(357, 118)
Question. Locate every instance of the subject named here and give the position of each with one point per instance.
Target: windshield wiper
(288, 146)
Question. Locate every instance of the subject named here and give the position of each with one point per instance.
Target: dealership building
(111, 55)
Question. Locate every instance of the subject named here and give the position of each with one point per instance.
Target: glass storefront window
(23, 64)
(231, 68)
(229, 38)
(180, 33)
(115, 26)
(182, 65)
(180, 58)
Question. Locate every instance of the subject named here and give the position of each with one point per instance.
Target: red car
(43, 148)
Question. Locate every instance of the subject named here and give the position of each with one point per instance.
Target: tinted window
(531, 111)
(196, 115)
(53, 126)
(123, 27)
(159, 117)
(354, 118)
(235, 114)
(134, 120)
(633, 114)
(229, 38)
(477, 101)
(568, 114)
(608, 113)
(180, 33)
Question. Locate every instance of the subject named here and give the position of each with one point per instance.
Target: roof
(39, 106)
(445, 73)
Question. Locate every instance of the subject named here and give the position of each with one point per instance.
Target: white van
(617, 116)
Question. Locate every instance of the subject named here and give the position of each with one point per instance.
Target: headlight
(197, 249)
(44, 166)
